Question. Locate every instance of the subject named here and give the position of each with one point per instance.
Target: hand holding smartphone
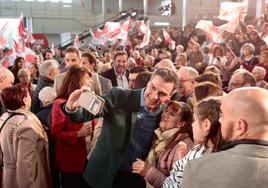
(91, 102)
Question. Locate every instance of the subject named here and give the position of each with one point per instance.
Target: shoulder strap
(11, 115)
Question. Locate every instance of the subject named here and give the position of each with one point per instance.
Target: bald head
(165, 63)
(6, 78)
(244, 114)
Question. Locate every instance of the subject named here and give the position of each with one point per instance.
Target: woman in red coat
(70, 138)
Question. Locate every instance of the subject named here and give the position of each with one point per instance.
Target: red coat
(70, 150)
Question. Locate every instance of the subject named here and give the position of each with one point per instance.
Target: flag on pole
(29, 55)
(147, 34)
(210, 30)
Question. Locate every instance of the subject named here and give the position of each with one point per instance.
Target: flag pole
(230, 49)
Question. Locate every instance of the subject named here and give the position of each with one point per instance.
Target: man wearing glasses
(186, 84)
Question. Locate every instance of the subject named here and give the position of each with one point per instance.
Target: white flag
(210, 30)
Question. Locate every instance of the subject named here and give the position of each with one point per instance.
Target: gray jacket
(242, 166)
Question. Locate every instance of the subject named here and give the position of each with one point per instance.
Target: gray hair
(47, 95)
(261, 70)
(46, 66)
(23, 72)
(250, 46)
(192, 73)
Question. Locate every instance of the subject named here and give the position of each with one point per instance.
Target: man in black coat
(118, 74)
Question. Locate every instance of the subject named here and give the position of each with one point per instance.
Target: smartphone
(91, 102)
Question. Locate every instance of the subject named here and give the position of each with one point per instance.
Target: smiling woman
(171, 143)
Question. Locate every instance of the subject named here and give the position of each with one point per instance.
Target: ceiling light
(161, 23)
(66, 6)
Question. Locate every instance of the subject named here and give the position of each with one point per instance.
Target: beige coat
(24, 146)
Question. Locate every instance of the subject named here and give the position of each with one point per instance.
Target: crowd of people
(193, 114)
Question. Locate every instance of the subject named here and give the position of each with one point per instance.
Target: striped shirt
(175, 177)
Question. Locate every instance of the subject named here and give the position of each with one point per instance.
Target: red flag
(21, 27)
(29, 55)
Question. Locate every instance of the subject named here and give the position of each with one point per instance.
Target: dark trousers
(124, 179)
(73, 180)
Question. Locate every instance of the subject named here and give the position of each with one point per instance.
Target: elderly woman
(24, 80)
(47, 96)
(247, 54)
(24, 143)
(171, 143)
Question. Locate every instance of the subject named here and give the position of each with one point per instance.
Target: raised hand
(72, 100)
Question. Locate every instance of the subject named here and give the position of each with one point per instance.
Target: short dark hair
(138, 69)
(168, 75)
(119, 53)
(49, 51)
(105, 51)
(142, 79)
(13, 96)
(72, 49)
(91, 58)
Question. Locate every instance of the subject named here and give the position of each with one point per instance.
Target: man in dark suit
(118, 74)
(243, 160)
(6, 80)
(130, 118)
